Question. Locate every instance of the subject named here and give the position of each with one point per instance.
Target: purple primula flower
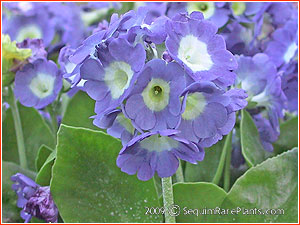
(37, 49)
(281, 12)
(24, 8)
(38, 83)
(155, 10)
(258, 77)
(38, 26)
(238, 39)
(68, 23)
(111, 77)
(34, 200)
(117, 125)
(246, 12)
(284, 46)
(266, 132)
(212, 11)
(253, 73)
(154, 102)
(208, 112)
(116, 26)
(159, 152)
(174, 8)
(154, 32)
(194, 44)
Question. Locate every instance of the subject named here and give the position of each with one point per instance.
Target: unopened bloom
(154, 102)
(34, 200)
(193, 42)
(38, 83)
(159, 152)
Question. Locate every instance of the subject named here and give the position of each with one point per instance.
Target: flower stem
(179, 173)
(227, 170)
(220, 168)
(167, 191)
(19, 131)
(52, 118)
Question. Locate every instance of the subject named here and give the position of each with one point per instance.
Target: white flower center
(290, 52)
(117, 77)
(193, 53)
(29, 31)
(156, 94)
(195, 105)
(158, 143)
(207, 8)
(42, 85)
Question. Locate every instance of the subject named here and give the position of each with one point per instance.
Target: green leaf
(206, 169)
(42, 156)
(10, 211)
(87, 186)
(288, 137)
(79, 110)
(36, 132)
(270, 185)
(252, 149)
(44, 175)
(193, 197)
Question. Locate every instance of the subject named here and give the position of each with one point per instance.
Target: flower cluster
(164, 107)
(168, 79)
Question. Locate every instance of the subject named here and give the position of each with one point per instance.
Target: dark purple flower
(159, 152)
(194, 44)
(34, 200)
(154, 103)
(37, 48)
(284, 46)
(111, 77)
(209, 112)
(38, 83)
